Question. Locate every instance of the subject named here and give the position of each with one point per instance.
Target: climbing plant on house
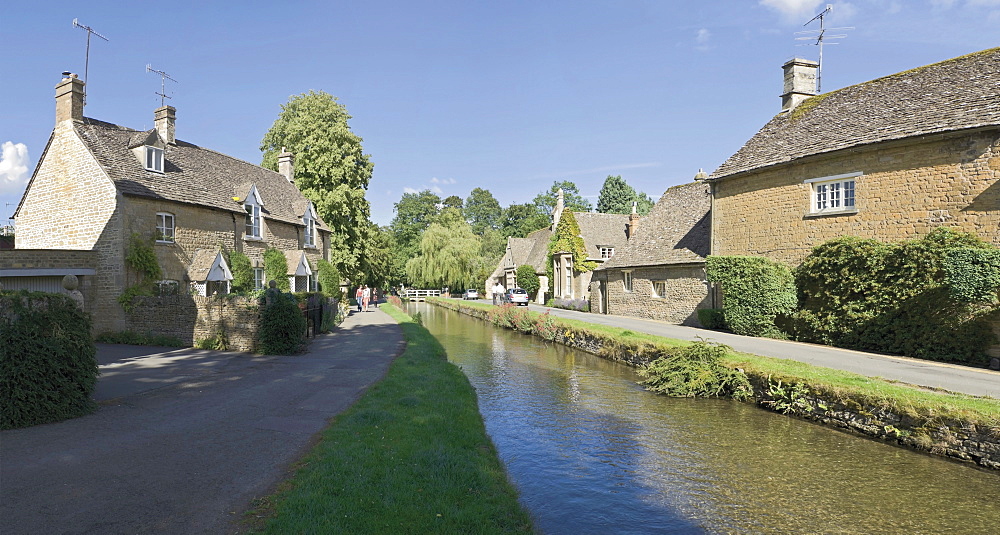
(755, 291)
(141, 259)
(242, 269)
(276, 269)
(567, 239)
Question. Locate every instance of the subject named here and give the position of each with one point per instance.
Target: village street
(952, 377)
(183, 441)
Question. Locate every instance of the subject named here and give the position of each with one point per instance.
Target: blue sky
(454, 95)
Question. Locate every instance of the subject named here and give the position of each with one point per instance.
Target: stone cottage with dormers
(97, 184)
(660, 273)
(602, 234)
(889, 159)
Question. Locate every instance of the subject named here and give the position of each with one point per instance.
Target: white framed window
(258, 278)
(253, 220)
(154, 159)
(568, 290)
(310, 239)
(607, 252)
(164, 227)
(627, 279)
(660, 289)
(832, 194)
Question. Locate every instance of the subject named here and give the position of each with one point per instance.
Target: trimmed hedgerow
(895, 297)
(242, 269)
(276, 269)
(755, 291)
(711, 318)
(282, 326)
(972, 275)
(329, 279)
(48, 362)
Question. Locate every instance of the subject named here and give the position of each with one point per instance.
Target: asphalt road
(184, 440)
(925, 373)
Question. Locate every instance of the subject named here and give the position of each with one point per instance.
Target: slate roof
(538, 256)
(676, 231)
(956, 94)
(601, 230)
(201, 264)
(192, 174)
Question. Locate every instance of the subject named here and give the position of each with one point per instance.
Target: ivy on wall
(566, 239)
(242, 269)
(276, 268)
(755, 291)
(141, 258)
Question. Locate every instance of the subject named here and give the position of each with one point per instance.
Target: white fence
(420, 295)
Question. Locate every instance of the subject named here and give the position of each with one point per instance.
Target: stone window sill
(252, 238)
(829, 214)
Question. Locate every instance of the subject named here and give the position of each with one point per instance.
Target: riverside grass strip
(411, 456)
(930, 408)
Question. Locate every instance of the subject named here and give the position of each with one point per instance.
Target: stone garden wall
(190, 318)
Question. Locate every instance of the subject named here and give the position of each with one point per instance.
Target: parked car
(471, 293)
(518, 296)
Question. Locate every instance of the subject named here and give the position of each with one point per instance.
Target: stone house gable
(659, 274)
(889, 159)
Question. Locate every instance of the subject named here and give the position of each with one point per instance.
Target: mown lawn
(411, 456)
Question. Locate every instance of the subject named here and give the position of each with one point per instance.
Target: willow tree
(448, 253)
(331, 170)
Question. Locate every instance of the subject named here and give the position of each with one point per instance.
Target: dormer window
(253, 220)
(154, 159)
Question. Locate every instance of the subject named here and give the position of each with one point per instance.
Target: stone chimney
(164, 119)
(800, 82)
(558, 210)
(69, 99)
(633, 221)
(286, 165)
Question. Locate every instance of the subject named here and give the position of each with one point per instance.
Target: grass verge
(411, 456)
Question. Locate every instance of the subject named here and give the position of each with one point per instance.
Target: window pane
(848, 193)
(835, 195)
(821, 197)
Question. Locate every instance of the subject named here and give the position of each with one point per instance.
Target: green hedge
(282, 326)
(895, 297)
(711, 318)
(48, 363)
(755, 291)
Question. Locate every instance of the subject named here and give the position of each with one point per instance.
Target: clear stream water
(591, 452)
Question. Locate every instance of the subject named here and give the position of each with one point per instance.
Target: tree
(329, 279)
(414, 213)
(482, 210)
(572, 200)
(519, 220)
(617, 196)
(448, 252)
(276, 269)
(377, 260)
(452, 201)
(331, 169)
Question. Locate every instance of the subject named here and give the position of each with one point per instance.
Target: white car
(471, 293)
(518, 296)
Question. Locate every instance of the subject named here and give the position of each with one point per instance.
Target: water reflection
(591, 452)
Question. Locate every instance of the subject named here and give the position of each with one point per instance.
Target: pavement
(923, 373)
(185, 439)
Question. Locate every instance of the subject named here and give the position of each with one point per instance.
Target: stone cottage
(660, 273)
(602, 235)
(98, 184)
(888, 159)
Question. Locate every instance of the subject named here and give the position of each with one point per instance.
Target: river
(591, 452)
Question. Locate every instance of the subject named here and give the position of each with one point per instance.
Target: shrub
(893, 297)
(581, 305)
(695, 371)
(528, 279)
(276, 269)
(972, 275)
(755, 291)
(711, 318)
(329, 279)
(48, 364)
(282, 326)
(242, 269)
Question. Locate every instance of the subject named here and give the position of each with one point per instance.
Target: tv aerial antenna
(163, 80)
(86, 65)
(820, 36)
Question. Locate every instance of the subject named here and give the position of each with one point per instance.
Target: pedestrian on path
(498, 292)
(358, 296)
(366, 296)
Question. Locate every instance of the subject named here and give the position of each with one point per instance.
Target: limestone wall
(908, 188)
(686, 292)
(191, 318)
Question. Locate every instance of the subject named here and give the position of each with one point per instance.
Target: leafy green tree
(519, 220)
(276, 269)
(572, 200)
(378, 259)
(617, 196)
(482, 210)
(414, 213)
(242, 271)
(452, 201)
(448, 252)
(329, 279)
(331, 169)
(493, 245)
(528, 279)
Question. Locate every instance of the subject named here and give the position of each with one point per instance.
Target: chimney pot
(165, 118)
(800, 82)
(69, 99)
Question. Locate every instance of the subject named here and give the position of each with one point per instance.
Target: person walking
(366, 296)
(358, 295)
(498, 291)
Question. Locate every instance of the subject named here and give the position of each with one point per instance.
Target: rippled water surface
(591, 452)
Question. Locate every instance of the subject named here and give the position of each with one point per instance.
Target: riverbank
(411, 456)
(961, 427)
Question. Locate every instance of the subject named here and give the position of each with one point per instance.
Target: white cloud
(793, 9)
(437, 190)
(703, 36)
(13, 167)
(436, 180)
(410, 190)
